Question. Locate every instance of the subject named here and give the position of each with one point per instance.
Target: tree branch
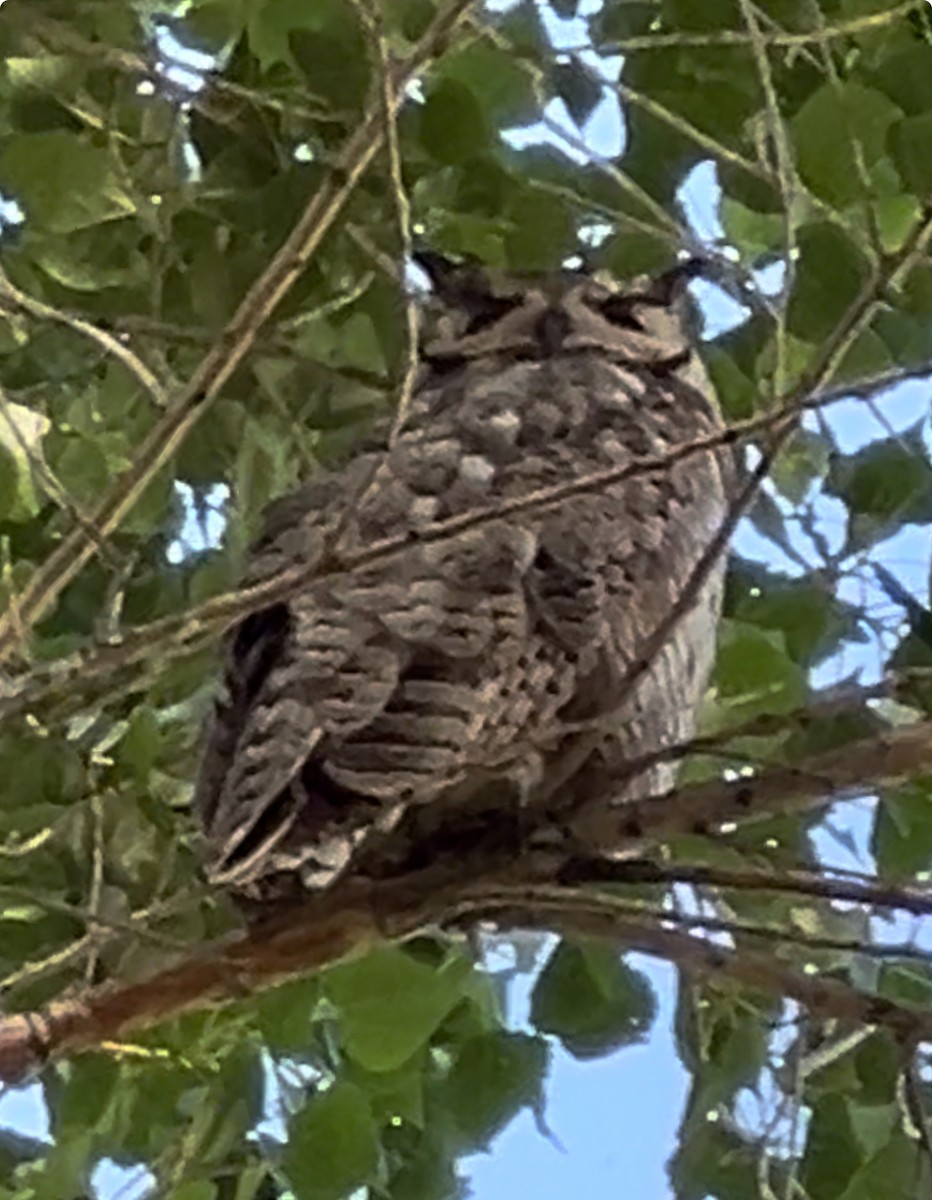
(351, 917)
(585, 914)
(711, 808)
(12, 298)
(798, 883)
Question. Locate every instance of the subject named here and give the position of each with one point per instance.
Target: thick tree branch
(352, 917)
(354, 914)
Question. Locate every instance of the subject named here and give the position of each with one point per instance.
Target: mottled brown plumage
(465, 659)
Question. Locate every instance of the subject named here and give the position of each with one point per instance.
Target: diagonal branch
(636, 872)
(234, 342)
(717, 806)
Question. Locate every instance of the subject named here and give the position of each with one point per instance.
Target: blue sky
(616, 1119)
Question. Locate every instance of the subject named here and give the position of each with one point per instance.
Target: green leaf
(271, 25)
(542, 231)
(201, 1189)
(901, 838)
(734, 388)
(895, 1172)
(389, 1004)
(909, 145)
(84, 1101)
(410, 17)
(251, 1178)
(33, 166)
(357, 344)
(82, 466)
(755, 233)
(334, 62)
(878, 1064)
(495, 1075)
(754, 672)
(734, 361)
(872, 1124)
(828, 126)
(736, 1050)
(832, 1154)
(496, 79)
(897, 216)
(806, 612)
(453, 125)
(830, 273)
(590, 999)
(906, 77)
(333, 1145)
(395, 1097)
(21, 433)
(885, 485)
(618, 19)
(712, 1161)
(907, 338)
(426, 1173)
(46, 71)
(801, 464)
(628, 254)
(285, 1013)
(9, 483)
(577, 89)
(907, 983)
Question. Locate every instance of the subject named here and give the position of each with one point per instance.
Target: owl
(489, 652)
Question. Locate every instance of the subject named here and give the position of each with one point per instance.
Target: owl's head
(481, 312)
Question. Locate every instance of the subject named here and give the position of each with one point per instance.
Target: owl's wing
(295, 672)
(362, 694)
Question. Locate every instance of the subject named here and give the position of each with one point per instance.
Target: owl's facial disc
(489, 314)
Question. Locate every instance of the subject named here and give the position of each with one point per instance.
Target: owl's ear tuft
(459, 284)
(439, 269)
(668, 287)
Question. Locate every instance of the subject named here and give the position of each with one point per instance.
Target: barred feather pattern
(468, 658)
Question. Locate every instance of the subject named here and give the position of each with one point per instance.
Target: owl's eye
(620, 311)
(488, 310)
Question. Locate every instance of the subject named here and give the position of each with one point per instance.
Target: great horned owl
(467, 657)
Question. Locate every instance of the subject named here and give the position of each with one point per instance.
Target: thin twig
(875, 894)
(730, 37)
(12, 298)
(373, 22)
(594, 915)
(787, 184)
